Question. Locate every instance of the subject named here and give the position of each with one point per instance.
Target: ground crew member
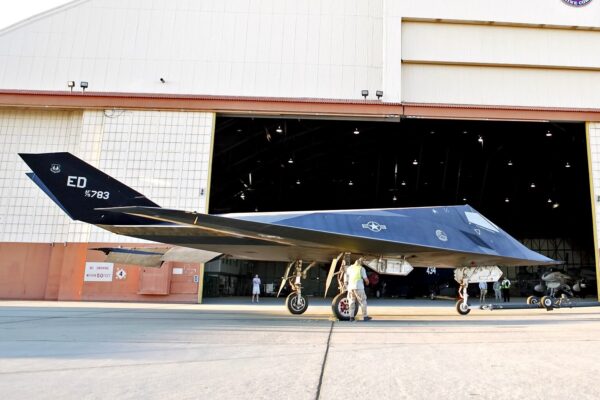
(497, 292)
(482, 291)
(355, 279)
(505, 285)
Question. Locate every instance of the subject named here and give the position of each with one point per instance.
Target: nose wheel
(462, 307)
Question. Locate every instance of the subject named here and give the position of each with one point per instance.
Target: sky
(17, 10)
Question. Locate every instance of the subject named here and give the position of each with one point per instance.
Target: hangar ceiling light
(291, 160)
(549, 134)
(356, 131)
(279, 130)
(567, 165)
(415, 162)
(510, 163)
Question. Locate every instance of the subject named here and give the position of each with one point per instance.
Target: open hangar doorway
(530, 178)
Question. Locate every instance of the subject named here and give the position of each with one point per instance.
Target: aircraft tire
(533, 300)
(341, 307)
(547, 302)
(462, 307)
(296, 304)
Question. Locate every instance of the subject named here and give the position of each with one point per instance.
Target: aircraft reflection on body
(389, 241)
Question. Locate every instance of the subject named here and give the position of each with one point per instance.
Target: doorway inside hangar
(530, 178)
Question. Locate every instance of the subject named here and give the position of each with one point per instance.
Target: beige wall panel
(456, 43)
(500, 86)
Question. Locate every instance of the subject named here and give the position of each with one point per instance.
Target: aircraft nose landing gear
(462, 305)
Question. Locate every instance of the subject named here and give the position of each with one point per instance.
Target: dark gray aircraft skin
(445, 237)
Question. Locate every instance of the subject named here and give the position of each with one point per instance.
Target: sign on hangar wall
(98, 272)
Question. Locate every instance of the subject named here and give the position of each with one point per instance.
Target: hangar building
(242, 105)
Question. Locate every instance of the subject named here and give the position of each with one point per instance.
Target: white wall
(236, 47)
(291, 48)
(164, 155)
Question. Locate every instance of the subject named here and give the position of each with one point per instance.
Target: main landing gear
(296, 302)
(340, 304)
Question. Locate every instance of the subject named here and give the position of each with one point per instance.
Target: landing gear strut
(296, 302)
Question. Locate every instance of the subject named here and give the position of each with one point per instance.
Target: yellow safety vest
(354, 273)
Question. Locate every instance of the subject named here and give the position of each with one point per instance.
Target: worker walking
(355, 279)
(505, 285)
(483, 288)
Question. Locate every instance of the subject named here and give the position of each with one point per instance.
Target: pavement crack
(318, 396)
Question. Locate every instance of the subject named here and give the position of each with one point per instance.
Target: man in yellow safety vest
(355, 279)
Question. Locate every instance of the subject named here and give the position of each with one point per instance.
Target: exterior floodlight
(364, 93)
(379, 94)
(356, 131)
(548, 134)
(71, 85)
(291, 160)
(510, 163)
(350, 183)
(507, 200)
(415, 162)
(532, 185)
(279, 130)
(567, 165)
(84, 85)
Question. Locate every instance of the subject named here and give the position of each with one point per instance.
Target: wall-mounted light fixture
(71, 85)
(379, 94)
(364, 93)
(84, 85)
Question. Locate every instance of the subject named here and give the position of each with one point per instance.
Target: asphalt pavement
(233, 349)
